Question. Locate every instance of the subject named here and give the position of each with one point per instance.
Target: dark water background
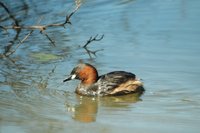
(157, 40)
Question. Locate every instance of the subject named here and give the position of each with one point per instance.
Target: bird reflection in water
(87, 107)
(86, 110)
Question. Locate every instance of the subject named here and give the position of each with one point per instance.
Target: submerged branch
(43, 27)
(49, 38)
(10, 14)
(90, 52)
(9, 51)
(20, 43)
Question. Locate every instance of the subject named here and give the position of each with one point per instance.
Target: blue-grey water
(157, 40)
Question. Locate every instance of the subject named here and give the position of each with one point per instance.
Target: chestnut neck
(88, 75)
(89, 81)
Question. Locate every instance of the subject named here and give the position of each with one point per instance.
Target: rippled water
(157, 40)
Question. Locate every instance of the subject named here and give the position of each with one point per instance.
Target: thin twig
(51, 40)
(1, 27)
(26, 36)
(93, 39)
(44, 27)
(9, 13)
(20, 42)
(11, 43)
(90, 52)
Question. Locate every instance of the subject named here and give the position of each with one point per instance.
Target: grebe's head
(84, 72)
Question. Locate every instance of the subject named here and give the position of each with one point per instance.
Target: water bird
(110, 84)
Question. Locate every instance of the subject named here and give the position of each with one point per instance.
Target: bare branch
(4, 29)
(26, 36)
(93, 39)
(44, 27)
(9, 13)
(8, 53)
(90, 52)
(41, 28)
(20, 43)
(72, 13)
(51, 40)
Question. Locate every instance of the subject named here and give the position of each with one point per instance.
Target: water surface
(156, 40)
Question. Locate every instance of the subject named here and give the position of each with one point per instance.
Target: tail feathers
(137, 82)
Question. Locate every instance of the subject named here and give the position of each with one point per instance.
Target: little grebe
(113, 83)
